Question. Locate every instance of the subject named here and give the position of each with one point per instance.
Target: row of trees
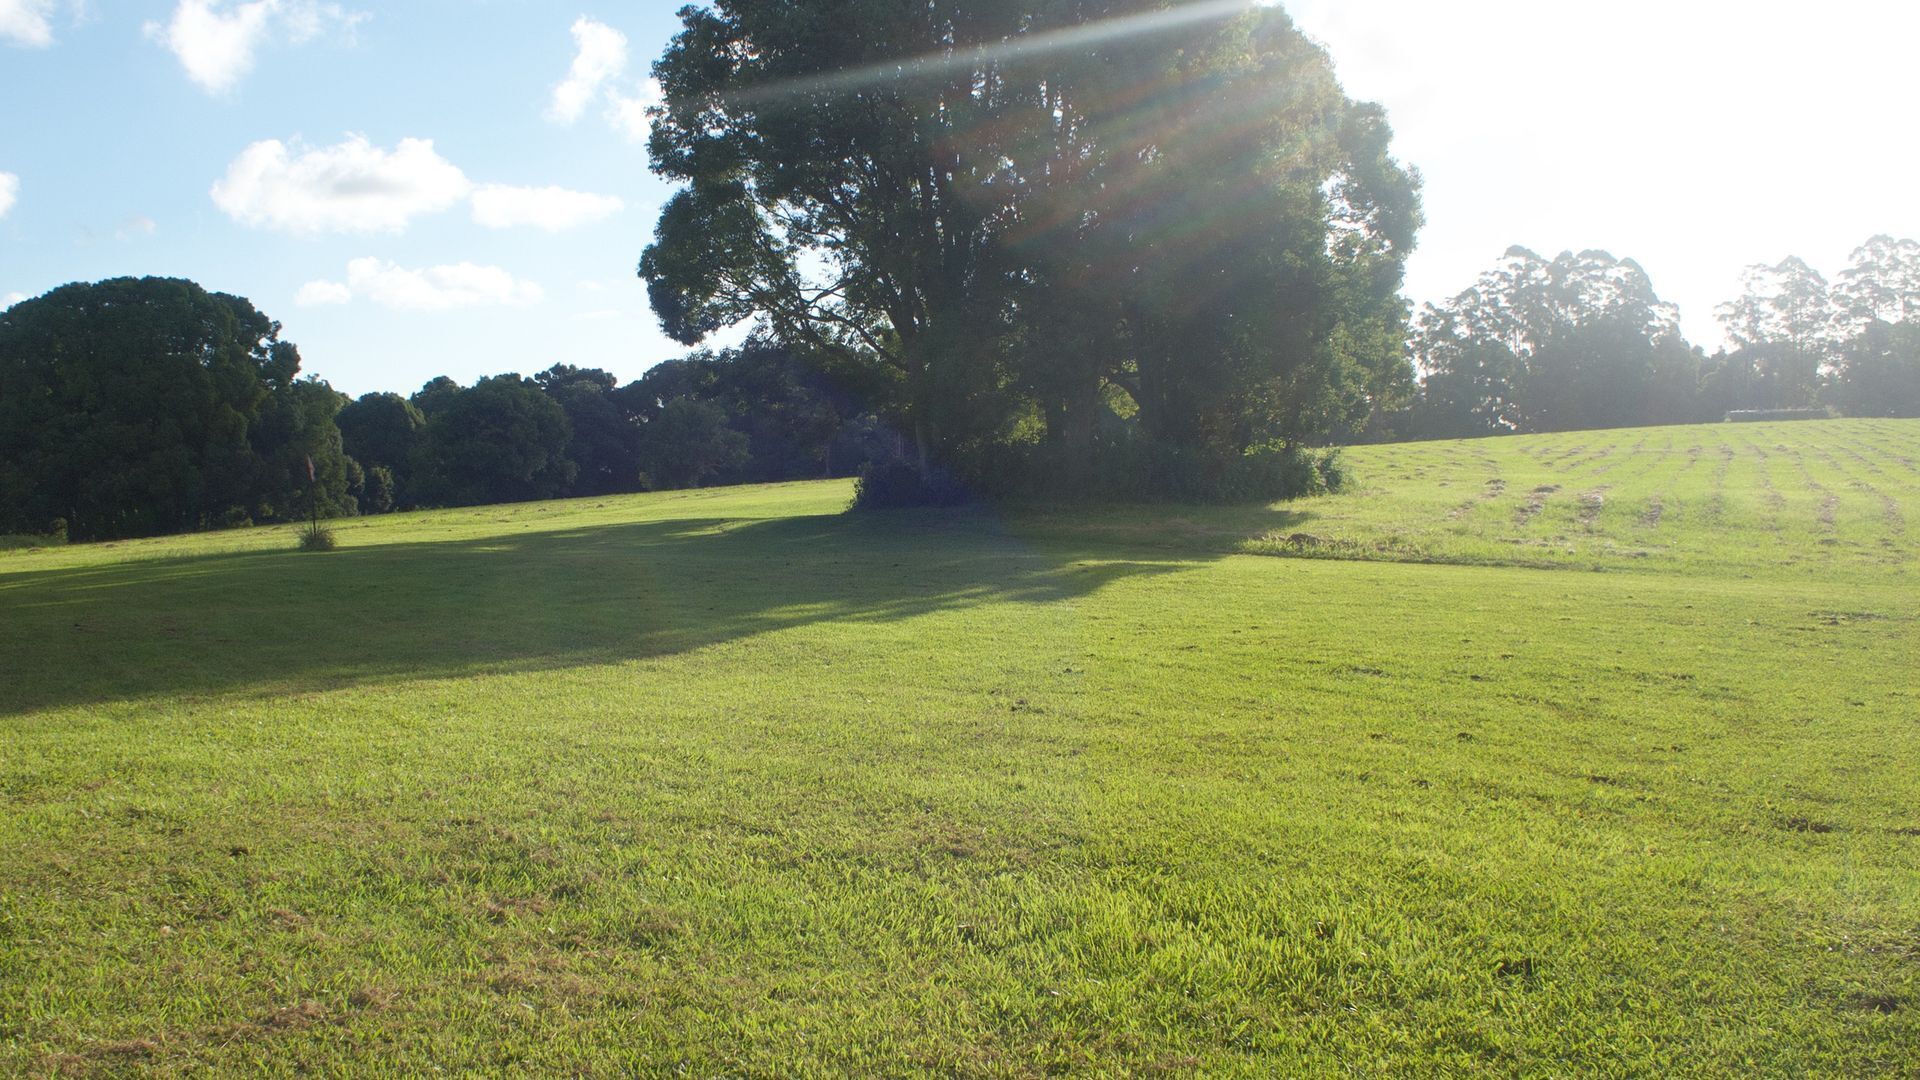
(1068, 243)
(137, 407)
(758, 413)
(1583, 341)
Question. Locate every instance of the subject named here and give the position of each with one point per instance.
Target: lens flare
(933, 65)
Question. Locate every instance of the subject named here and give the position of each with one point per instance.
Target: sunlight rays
(933, 65)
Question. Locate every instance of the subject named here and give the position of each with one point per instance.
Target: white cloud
(11, 299)
(628, 115)
(26, 22)
(9, 192)
(135, 228)
(600, 55)
(501, 206)
(353, 186)
(598, 73)
(435, 288)
(215, 48)
(216, 42)
(305, 20)
(322, 293)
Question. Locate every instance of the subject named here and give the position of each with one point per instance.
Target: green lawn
(1621, 777)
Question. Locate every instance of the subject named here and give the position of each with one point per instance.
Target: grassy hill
(1576, 753)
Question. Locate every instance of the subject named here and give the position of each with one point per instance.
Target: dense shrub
(1262, 474)
(378, 495)
(1133, 470)
(55, 536)
(897, 485)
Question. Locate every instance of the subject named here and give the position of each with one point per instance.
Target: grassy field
(1577, 754)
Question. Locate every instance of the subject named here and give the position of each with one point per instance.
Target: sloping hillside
(729, 783)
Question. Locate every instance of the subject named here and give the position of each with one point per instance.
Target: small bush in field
(318, 538)
(898, 485)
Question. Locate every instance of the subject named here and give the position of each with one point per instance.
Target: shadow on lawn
(284, 621)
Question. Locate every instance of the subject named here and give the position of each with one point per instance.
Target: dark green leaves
(1018, 208)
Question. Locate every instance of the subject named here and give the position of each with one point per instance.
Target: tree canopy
(1024, 218)
(1582, 340)
(139, 406)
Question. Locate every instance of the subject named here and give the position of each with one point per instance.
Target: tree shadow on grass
(285, 621)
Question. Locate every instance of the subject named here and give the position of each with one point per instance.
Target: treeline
(1583, 341)
(137, 407)
(755, 414)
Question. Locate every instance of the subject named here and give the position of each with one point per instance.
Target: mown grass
(728, 783)
(1744, 499)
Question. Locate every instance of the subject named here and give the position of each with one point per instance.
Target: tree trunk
(1076, 443)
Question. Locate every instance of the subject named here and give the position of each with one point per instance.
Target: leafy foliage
(1000, 213)
(383, 432)
(899, 485)
(380, 491)
(499, 440)
(1879, 371)
(689, 442)
(139, 406)
(1583, 341)
(1880, 284)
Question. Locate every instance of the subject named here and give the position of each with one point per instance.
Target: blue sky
(119, 156)
(457, 186)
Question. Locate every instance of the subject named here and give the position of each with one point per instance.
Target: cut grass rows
(1731, 499)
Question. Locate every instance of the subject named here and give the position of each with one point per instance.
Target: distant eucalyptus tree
(1881, 283)
(1580, 340)
(1784, 331)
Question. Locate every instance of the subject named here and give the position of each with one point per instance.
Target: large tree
(689, 442)
(605, 441)
(499, 440)
(303, 468)
(1468, 378)
(1580, 340)
(1789, 304)
(1878, 373)
(132, 407)
(801, 419)
(1005, 209)
(1784, 330)
(1881, 283)
(383, 431)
